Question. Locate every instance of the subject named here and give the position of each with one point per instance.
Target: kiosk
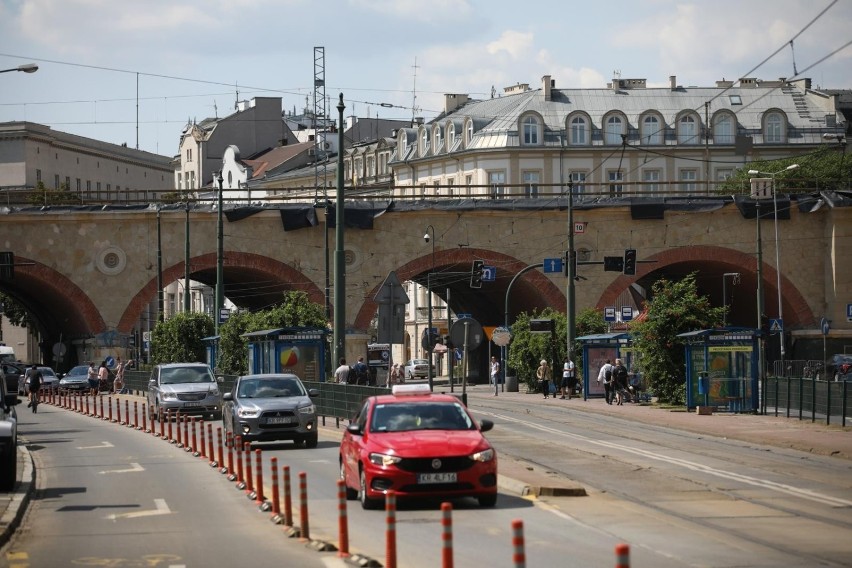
(722, 368)
(297, 350)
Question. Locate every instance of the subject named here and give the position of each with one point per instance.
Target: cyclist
(35, 387)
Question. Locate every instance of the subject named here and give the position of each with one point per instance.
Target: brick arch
(274, 269)
(797, 313)
(56, 292)
(547, 291)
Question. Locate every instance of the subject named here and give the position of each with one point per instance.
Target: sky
(137, 72)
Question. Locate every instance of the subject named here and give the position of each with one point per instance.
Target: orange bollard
(229, 442)
(276, 501)
(210, 447)
(342, 520)
(161, 420)
(201, 450)
(145, 418)
(622, 556)
(390, 531)
(195, 451)
(258, 492)
(87, 405)
(101, 415)
(519, 557)
(169, 421)
(110, 410)
(238, 448)
(304, 527)
(186, 421)
(126, 412)
(118, 411)
(447, 535)
(135, 415)
(248, 478)
(288, 502)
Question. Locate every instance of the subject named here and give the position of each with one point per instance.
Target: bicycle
(34, 400)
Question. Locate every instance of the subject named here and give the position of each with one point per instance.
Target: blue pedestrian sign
(552, 265)
(489, 273)
(776, 325)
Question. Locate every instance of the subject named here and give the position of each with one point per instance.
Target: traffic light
(7, 265)
(476, 274)
(630, 262)
(613, 264)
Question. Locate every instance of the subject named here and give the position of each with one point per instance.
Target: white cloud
(416, 10)
(515, 44)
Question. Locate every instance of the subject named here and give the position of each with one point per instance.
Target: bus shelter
(297, 350)
(722, 368)
(211, 349)
(597, 350)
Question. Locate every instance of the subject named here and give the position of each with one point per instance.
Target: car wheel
(366, 502)
(487, 500)
(9, 468)
(311, 440)
(351, 494)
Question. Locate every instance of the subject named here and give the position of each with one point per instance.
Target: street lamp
(429, 236)
(777, 248)
(26, 68)
(220, 252)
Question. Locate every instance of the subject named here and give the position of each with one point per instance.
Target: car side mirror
(228, 396)
(313, 392)
(485, 425)
(354, 429)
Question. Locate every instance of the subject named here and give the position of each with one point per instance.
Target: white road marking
(764, 483)
(136, 467)
(103, 445)
(162, 509)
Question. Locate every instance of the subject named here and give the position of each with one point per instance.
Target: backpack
(621, 374)
(36, 380)
(362, 374)
(608, 375)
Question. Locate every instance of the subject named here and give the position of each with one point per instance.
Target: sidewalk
(13, 504)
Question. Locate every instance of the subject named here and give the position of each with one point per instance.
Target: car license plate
(436, 477)
(191, 404)
(280, 420)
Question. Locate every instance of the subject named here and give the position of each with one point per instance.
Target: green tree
(824, 169)
(528, 348)
(673, 308)
(294, 311)
(178, 339)
(15, 312)
(59, 196)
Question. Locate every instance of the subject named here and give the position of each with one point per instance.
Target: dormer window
(424, 142)
(687, 130)
(723, 129)
(614, 128)
(439, 140)
(531, 131)
(468, 133)
(578, 128)
(451, 136)
(773, 128)
(652, 131)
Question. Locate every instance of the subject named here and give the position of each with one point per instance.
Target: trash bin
(511, 383)
(703, 385)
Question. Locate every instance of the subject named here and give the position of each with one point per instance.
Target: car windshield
(420, 362)
(81, 370)
(47, 372)
(270, 388)
(181, 375)
(402, 417)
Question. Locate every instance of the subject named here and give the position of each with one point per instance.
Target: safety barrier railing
(807, 399)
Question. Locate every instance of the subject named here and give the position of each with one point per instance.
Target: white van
(7, 353)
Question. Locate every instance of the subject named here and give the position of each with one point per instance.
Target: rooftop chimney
(453, 101)
(673, 82)
(546, 85)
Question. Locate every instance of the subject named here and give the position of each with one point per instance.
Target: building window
(424, 142)
(615, 177)
(774, 130)
(38, 176)
(651, 181)
(403, 145)
(530, 129)
(723, 175)
(687, 180)
(497, 183)
(614, 130)
(88, 188)
(687, 130)
(191, 180)
(180, 180)
(189, 154)
(451, 136)
(531, 181)
(68, 183)
(579, 131)
(652, 132)
(450, 186)
(79, 185)
(579, 181)
(723, 129)
(439, 139)
(468, 181)
(383, 163)
(436, 187)
(98, 190)
(468, 133)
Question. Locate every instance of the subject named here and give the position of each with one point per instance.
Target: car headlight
(168, 396)
(213, 392)
(310, 409)
(483, 456)
(247, 412)
(384, 459)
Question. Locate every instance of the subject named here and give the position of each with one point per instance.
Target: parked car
(271, 407)
(417, 368)
(76, 379)
(49, 381)
(418, 444)
(839, 368)
(8, 438)
(188, 388)
(13, 375)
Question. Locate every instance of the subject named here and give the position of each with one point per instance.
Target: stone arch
(548, 292)
(258, 263)
(797, 313)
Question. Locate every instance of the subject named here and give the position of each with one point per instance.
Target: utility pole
(339, 252)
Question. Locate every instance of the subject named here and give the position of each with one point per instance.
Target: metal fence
(807, 399)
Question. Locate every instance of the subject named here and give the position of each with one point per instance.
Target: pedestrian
(495, 373)
(569, 380)
(35, 380)
(341, 375)
(362, 373)
(605, 377)
(103, 377)
(543, 376)
(118, 384)
(92, 375)
(619, 377)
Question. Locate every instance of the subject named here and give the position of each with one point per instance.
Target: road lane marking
(748, 480)
(136, 468)
(103, 445)
(161, 509)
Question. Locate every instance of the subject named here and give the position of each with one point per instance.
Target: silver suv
(8, 438)
(188, 388)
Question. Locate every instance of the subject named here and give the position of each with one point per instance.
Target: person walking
(605, 377)
(118, 384)
(542, 374)
(341, 375)
(569, 379)
(92, 376)
(495, 373)
(619, 378)
(103, 377)
(35, 380)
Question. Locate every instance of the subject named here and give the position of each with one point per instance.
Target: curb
(18, 503)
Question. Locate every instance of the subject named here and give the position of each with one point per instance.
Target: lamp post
(220, 285)
(186, 304)
(339, 250)
(430, 235)
(777, 248)
(26, 68)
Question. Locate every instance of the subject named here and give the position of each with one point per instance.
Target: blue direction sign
(552, 265)
(609, 314)
(489, 273)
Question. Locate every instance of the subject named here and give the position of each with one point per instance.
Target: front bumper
(477, 480)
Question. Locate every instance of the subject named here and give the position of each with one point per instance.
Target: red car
(418, 444)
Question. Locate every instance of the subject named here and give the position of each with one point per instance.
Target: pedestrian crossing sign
(776, 325)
